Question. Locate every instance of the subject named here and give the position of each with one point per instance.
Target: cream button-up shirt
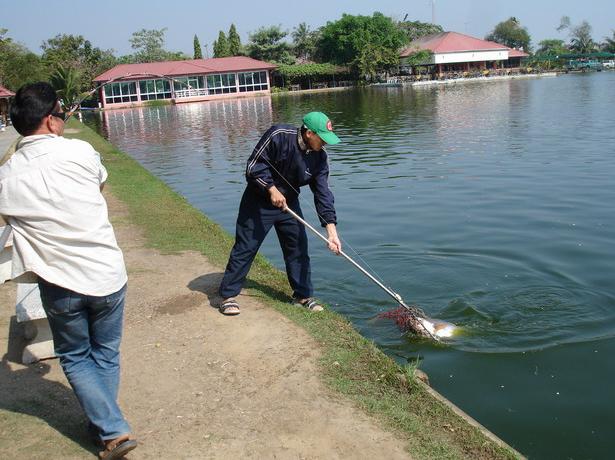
(50, 195)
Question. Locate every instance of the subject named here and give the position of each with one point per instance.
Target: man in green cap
(285, 159)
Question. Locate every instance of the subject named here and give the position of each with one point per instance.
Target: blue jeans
(87, 331)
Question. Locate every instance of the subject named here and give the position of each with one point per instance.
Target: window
(222, 83)
(116, 93)
(182, 83)
(155, 89)
(253, 81)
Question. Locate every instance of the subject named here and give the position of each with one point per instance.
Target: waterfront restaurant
(455, 52)
(130, 85)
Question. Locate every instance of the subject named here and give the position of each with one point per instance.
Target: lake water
(490, 205)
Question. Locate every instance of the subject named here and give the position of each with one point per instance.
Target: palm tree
(609, 44)
(304, 41)
(65, 80)
(581, 39)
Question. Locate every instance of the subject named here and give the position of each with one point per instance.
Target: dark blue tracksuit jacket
(279, 160)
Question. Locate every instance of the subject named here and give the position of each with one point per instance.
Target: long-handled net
(408, 322)
(408, 318)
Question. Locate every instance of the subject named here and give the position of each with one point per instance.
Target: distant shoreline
(393, 84)
(483, 79)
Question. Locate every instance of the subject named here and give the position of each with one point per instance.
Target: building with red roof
(128, 85)
(452, 51)
(5, 95)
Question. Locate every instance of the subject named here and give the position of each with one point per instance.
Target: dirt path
(195, 384)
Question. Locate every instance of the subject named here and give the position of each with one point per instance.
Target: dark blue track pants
(256, 217)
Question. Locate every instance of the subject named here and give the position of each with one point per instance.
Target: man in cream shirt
(50, 194)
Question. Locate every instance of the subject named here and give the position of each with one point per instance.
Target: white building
(455, 52)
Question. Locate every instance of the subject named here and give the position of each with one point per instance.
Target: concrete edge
(468, 419)
(311, 91)
(418, 84)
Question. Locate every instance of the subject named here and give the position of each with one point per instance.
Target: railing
(191, 92)
(461, 74)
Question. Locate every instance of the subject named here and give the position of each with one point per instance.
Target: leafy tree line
(579, 38)
(71, 62)
(363, 45)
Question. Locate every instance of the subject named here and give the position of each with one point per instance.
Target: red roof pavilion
(450, 42)
(184, 68)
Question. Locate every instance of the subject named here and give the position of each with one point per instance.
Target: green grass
(350, 364)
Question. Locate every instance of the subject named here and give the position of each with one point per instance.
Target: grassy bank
(350, 364)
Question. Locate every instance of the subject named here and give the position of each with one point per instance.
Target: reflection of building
(127, 85)
(455, 52)
(204, 123)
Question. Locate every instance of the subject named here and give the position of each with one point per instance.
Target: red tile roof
(450, 42)
(513, 53)
(5, 92)
(187, 67)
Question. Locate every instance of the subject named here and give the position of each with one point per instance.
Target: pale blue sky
(109, 24)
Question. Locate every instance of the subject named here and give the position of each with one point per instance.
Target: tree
(266, 44)
(65, 80)
(305, 74)
(234, 41)
(221, 47)
(304, 41)
(421, 57)
(564, 23)
(580, 35)
(198, 53)
(149, 45)
(609, 44)
(510, 33)
(367, 43)
(3, 39)
(552, 47)
(18, 65)
(581, 39)
(416, 29)
(75, 52)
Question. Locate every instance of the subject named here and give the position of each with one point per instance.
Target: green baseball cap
(320, 124)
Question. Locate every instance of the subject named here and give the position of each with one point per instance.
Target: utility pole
(433, 12)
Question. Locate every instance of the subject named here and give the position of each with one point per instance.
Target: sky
(109, 24)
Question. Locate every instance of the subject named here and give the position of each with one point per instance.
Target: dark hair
(31, 104)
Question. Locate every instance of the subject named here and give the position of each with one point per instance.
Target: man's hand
(333, 241)
(277, 199)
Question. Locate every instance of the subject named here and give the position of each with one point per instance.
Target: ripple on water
(533, 318)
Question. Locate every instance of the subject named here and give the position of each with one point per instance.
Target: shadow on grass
(25, 390)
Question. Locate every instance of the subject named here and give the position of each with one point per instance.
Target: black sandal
(310, 303)
(117, 448)
(229, 307)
